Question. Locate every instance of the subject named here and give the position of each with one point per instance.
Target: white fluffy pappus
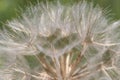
(76, 42)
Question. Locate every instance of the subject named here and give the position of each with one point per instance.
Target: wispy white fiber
(77, 42)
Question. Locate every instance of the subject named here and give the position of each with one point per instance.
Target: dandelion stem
(49, 69)
(77, 60)
(57, 66)
(104, 44)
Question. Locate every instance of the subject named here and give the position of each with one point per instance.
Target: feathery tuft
(75, 42)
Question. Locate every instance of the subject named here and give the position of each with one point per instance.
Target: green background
(10, 9)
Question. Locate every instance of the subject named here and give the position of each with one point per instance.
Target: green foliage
(9, 9)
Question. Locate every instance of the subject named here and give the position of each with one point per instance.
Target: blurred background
(10, 9)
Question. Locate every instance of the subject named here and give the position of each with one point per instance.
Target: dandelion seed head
(76, 42)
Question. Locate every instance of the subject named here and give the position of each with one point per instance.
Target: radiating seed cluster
(58, 42)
